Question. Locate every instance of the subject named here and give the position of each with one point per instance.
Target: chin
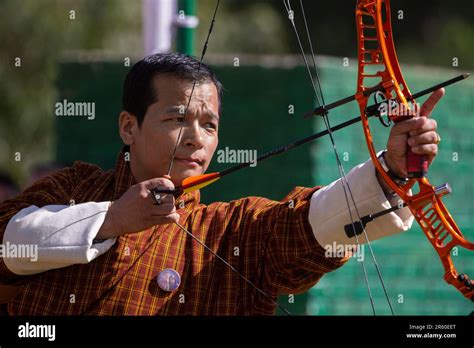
(186, 173)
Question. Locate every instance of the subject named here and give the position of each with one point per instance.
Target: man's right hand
(137, 210)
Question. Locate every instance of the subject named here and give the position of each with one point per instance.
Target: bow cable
(345, 184)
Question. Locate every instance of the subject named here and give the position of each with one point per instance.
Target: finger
(162, 210)
(429, 105)
(425, 138)
(425, 125)
(426, 149)
(160, 198)
(166, 199)
(168, 219)
(160, 201)
(409, 125)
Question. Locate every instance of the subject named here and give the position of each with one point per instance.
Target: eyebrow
(176, 110)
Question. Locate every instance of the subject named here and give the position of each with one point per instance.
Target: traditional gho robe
(269, 242)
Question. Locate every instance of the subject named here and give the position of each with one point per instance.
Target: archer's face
(155, 140)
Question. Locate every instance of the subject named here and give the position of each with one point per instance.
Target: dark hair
(138, 90)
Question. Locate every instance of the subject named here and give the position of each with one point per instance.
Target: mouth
(193, 162)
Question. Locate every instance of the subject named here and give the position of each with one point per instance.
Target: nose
(192, 135)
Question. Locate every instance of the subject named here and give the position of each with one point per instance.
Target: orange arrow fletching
(198, 182)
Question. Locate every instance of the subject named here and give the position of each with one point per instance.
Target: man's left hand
(419, 133)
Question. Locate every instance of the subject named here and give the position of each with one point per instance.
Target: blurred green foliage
(40, 31)
(443, 29)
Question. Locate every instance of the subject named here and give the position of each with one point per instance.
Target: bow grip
(417, 165)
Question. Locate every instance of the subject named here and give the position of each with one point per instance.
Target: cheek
(212, 146)
(156, 144)
(158, 137)
(211, 139)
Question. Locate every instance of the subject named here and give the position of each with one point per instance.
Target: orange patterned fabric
(269, 242)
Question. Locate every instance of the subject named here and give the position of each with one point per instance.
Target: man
(116, 252)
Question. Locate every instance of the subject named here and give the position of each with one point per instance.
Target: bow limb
(374, 25)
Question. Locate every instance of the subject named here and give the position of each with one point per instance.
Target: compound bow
(374, 26)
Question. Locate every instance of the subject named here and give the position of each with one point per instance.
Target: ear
(128, 127)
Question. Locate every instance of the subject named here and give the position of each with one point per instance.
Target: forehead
(175, 91)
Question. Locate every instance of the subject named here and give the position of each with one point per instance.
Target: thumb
(158, 182)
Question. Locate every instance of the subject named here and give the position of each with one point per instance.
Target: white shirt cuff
(328, 213)
(54, 236)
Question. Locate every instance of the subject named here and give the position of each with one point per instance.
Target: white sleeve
(328, 213)
(55, 236)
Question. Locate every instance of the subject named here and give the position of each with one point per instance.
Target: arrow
(200, 181)
(373, 109)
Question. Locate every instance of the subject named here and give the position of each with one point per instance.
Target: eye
(210, 125)
(177, 119)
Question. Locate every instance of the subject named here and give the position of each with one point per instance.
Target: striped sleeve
(277, 235)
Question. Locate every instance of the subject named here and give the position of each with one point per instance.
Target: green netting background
(257, 105)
